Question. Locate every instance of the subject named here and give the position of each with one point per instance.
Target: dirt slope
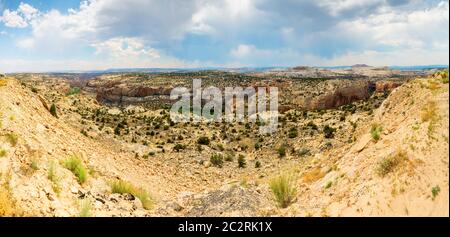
(398, 174)
(43, 140)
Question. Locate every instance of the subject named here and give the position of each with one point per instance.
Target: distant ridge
(235, 70)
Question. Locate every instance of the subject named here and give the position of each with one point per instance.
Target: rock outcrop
(386, 86)
(338, 96)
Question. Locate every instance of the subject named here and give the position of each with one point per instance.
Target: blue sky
(51, 35)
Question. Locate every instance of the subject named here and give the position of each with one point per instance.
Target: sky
(56, 35)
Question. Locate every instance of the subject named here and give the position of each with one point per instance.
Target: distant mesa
(360, 65)
(301, 68)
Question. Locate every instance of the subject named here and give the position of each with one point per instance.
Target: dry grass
(429, 112)
(2, 82)
(85, 206)
(313, 175)
(8, 205)
(283, 188)
(75, 165)
(390, 163)
(120, 186)
(53, 177)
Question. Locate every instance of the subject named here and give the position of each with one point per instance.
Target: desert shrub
(53, 111)
(258, 146)
(257, 164)
(75, 165)
(388, 164)
(122, 187)
(328, 131)
(178, 147)
(283, 189)
(12, 138)
(281, 151)
(435, 191)
(241, 161)
(203, 141)
(2, 153)
(328, 185)
(375, 131)
(217, 160)
(293, 133)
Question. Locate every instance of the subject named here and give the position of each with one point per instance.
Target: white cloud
(28, 11)
(125, 48)
(227, 18)
(404, 29)
(13, 19)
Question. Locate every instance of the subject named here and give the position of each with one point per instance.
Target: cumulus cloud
(13, 19)
(27, 10)
(19, 18)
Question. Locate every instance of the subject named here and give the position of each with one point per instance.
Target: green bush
(178, 147)
(293, 133)
(217, 160)
(12, 138)
(328, 131)
(281, 151)
(375, 131)
(241, 161)
(435, 191)
(203, 141)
